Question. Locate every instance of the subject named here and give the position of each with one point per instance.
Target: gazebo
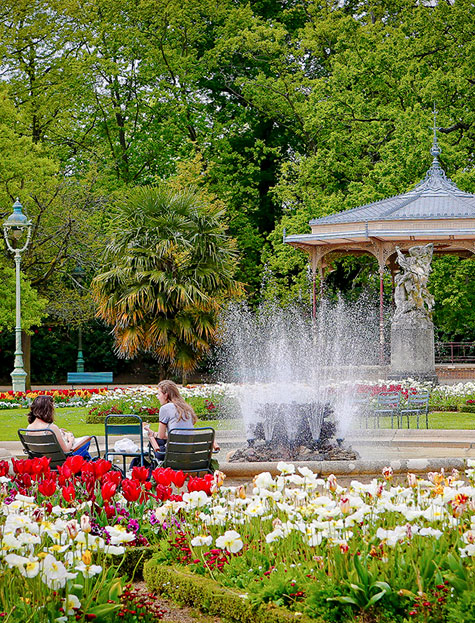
(435, 211)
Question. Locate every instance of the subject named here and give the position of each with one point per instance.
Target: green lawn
(74, 419)
(440, 420)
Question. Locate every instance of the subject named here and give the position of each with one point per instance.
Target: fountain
(295, 376)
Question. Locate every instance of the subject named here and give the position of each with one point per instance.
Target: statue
(412, 298)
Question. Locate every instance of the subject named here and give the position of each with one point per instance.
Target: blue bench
(89, 378)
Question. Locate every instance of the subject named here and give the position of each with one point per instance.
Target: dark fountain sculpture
(293, 431)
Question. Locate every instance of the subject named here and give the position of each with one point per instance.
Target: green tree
(32, 306)
(168, 269)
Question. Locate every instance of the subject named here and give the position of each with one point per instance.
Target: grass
(438, 420)
(74, 419)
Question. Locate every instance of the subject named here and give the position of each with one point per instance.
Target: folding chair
(387, 404)
(417, 404)
(43, 442)
(114, 427)
(189, 450)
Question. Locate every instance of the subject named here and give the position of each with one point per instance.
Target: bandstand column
(381, 315)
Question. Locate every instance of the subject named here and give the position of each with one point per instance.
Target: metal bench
(90, 378)
(387, 404)
(416, 405)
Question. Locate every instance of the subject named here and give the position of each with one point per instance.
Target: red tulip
(4, 468)
(140, 473)
(47, 488)
(75, 463)
(163, 493)
(179, 479)
(114, 477)
(109, 511)
(131, 490)
(163, 476)
(64, 471)
(108, 490)
(69, 493)
(101, 467)
(22, 466)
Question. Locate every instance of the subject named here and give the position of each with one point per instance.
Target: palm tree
(169, 267)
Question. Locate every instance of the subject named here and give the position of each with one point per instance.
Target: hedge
(211, 598)
(467, 408)
(132, 561)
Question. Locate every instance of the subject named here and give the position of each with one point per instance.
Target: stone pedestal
(412, 349)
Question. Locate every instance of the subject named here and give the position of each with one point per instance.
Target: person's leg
(84, 451)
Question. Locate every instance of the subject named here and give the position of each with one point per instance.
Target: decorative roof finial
(435, 150)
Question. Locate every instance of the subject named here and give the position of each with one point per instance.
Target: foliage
(169, 267)
(32, 305)
(206, 595)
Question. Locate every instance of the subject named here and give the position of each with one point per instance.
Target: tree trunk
(26, 348)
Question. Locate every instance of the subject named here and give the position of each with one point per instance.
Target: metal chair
(189, 450)
(361, 404)
(417, 404)
(43, 442)
(387, 404)
(116, 428)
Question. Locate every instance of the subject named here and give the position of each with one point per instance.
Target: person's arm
(65, 442)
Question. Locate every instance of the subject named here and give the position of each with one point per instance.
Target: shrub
(469, 408)
(208, 596)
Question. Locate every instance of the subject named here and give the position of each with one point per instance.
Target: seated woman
(174, 413)
(41, 416)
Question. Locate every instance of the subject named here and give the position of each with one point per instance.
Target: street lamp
(15, 226)
(78, 275)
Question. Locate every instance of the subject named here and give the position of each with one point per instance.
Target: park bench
(89, 378)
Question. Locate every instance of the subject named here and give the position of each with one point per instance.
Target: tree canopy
(294, 108)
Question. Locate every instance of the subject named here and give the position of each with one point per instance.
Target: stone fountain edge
(347, 468)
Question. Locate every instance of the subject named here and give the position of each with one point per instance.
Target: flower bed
(207, 401)
(219, 401)
(442, 397)
(67, 537)
(62, 397)
(291, 546)
(370, 552)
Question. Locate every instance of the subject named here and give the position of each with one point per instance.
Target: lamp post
(15, 226)
(78, 275)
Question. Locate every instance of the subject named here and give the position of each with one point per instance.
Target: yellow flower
(87, 557)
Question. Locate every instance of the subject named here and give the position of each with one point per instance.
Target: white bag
(126, 446)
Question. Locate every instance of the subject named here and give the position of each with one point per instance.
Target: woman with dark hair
(41, 417)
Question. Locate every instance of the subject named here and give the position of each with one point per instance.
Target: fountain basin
(354, 468)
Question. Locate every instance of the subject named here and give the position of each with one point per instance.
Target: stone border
(347, 468)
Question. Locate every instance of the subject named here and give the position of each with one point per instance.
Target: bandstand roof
(435, 210)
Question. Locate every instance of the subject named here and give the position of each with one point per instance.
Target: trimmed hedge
(133, 561)
(467, 408)
(209, 597)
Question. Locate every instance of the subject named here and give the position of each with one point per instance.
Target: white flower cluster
(57, 548)
(299, 503)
